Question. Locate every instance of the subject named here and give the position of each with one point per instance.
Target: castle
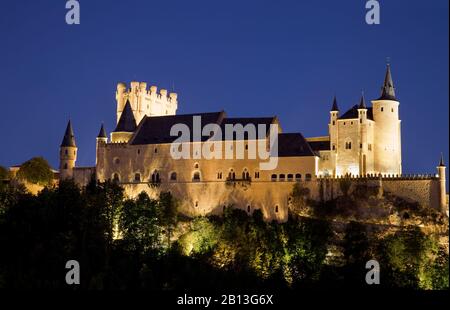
(363, 143)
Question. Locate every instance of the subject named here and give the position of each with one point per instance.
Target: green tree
(4, 174)
(167, 209)
(36, 171)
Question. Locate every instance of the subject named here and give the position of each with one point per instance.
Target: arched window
(248, 208)
(116, 177)
(196, 204)
(245, 175)
(65, 166)
(298, 177)
(173, 176)
(66, 152)
(273, 178)
(196, 165)
(282, 177)
(348, 145)
(308, 177)
(117, 161)
(155, 177)
(231, 175)
(290, 177)
(276, 209)
(137, 177)
(219, 175)
(196, 177)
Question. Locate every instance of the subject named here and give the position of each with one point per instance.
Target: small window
(74, 152)
(334, 147)
(231, 175)
(246, 146)
(156, 150)
(282, 177)
(116, 177)
(196, 204)
(219, 175)
(155, 177)
(117, 161)
(344, 123)
(273, 177)
(196, 177)
(308, 177)
(334, 123)
(360, 121)
(360, 145)
(276, 209)
(382, 109)
(248, 208)
(196, 165)
(245, 175)
(139, 151)
(351, 123)
(66, 152)
(298, 177)
(137, 177)
(256, 174)
(173, 176)
(290, 177)
(65, 166)
(369, 147)
(392, 109)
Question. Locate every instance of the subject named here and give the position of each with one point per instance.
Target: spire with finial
(335, 106)
(362, 102)
(69, 138)
(441, 162)
(102, 132)
(388, 89)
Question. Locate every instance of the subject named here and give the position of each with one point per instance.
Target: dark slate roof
(441, 162)
(255, 121)
(362, 103)
(69, 138)
(388, 89)
(127, 121)
(293, 144)
(102, 133)
(317, 146)
(335, 105)
(156, 129)
(353, 113)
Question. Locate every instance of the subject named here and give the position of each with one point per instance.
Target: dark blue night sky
(250, 58)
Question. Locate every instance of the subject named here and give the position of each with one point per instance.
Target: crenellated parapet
(145, 101)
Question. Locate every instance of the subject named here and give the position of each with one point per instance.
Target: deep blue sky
(250, 58)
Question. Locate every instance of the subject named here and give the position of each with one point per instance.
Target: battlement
(140, 88)
(382, 177)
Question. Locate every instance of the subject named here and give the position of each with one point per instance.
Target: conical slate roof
(441, 162)
(388, 89)
(127, 121)
(335, 106)
(69, 138)
(102, 132)
(362, 103)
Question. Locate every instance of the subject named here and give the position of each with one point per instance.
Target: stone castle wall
(203, 198)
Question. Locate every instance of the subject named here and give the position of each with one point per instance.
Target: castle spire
(69, 138)
(102, 132)
(335, 106)
(127, 122)
(362, 102)
(441, 162)
(388, 89)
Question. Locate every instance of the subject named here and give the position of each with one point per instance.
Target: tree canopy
(36, 170)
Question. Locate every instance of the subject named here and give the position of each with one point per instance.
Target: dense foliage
(143, 243)
(4, 174)
(36, 171)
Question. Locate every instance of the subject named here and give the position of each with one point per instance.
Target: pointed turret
(127, 122)
(362, 103)
(334, 107)
(67, 154)
(102, 132)
(69, 138)
(388, 89)
(441, 161)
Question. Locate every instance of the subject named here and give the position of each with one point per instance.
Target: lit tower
(67, 154)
